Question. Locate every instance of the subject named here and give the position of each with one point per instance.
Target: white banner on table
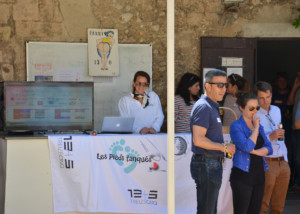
(106, 173)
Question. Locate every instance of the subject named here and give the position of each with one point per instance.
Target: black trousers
(247, 199)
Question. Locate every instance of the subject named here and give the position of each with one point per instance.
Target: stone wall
(250, 18)
(139, 22)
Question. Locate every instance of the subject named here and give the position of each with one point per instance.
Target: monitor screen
(47, 106)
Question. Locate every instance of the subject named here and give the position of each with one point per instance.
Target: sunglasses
(251, 108)
(144, 84)
(219, 84)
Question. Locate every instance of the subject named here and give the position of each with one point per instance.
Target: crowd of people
(264, 132)
(264, 137)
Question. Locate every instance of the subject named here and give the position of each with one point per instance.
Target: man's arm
(200, 140)
(291, 98)
(297, 123)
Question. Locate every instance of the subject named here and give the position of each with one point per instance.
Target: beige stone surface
(7, 71)
(270, 30)
(8, 1)
(77, 18)
(26, 10)
(5, 33)
(20, 74)
(275, 14)
(5, 13)
(6, 55)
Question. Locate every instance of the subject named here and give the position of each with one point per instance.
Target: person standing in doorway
(294, 99)
(208, 143)
(278, 177)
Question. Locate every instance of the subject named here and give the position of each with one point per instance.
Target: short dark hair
(243, 98)
(213, 73)
(186, 81)
(262, 86)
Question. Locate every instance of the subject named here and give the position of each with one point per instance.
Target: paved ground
(292, 204)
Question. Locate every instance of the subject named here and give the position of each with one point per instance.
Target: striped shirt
(182, 115)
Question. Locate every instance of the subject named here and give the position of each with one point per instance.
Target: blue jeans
(207, 173)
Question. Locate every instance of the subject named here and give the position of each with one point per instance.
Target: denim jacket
(240, 133)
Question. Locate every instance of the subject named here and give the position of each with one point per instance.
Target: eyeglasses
(143, 84)
(219, 84)
(270, 119)
(233, 76)
(251, 108)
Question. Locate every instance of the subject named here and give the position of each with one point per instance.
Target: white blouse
(150, 116)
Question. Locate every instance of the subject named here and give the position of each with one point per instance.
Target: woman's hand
(256, 121)
(152, 131)
(144, 130)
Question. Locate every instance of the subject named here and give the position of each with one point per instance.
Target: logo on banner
(139, 196)
(65, 153)
(128, 157)
(180, 147)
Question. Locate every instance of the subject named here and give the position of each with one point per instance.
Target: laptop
(121, 125)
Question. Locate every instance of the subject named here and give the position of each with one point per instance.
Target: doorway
(278, 55)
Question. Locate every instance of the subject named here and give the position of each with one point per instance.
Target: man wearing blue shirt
(278, 177)
(208, 143)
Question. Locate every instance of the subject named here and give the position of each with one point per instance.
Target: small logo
(154, 166)
(131, 155)
(139, 196)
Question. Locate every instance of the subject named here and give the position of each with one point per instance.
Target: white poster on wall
(238, 71)
(103, 52)
(232, 61)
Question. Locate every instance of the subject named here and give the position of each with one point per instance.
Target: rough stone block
(81, 17)
(213, 6)
(194, 19)
(126, 17)
(7, 1)
(7, 71)
(20, 72)
(4, 14)
(46, 10)
(6, 55)
(275, 14)
(5, 33)
(270, 30)
(26, 10)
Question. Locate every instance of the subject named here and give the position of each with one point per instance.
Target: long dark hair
(186, 81)
(241, 82)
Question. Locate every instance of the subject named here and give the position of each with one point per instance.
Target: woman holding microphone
(143, 105)
(247, 177)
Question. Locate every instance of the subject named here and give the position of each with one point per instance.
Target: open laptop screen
(117, 125)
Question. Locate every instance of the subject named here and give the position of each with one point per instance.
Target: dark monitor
(47, 106)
